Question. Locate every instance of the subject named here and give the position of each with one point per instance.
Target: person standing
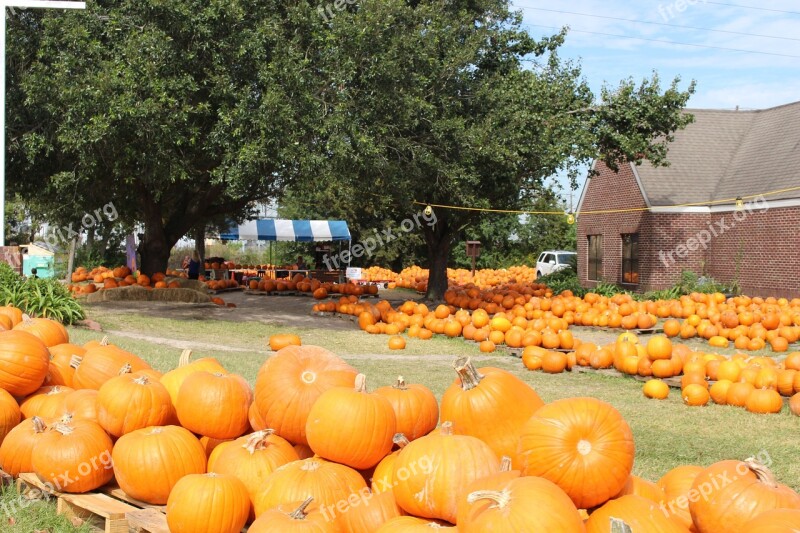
(193, 269)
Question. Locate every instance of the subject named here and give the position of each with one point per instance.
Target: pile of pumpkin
(318, 289)
(310, 447)
(756, 383)
(416, 278)
(102, 278)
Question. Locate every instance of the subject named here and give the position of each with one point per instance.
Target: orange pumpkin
(737, 491)
(581, 444)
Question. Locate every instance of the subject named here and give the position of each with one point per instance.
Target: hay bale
(135, 293)
(189, 284)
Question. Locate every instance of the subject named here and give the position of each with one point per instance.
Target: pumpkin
(479, 395)
(24, 362)
(289, 383)
(351, 426)
(695, 395)
(81, 404)
(74, 456)
(764, 401)
(173, 379)
(676, 485)
(133, 401)
(61, 357)
(484, 483)
(370, 512)
(210, 444)
(582, 445)
(794, 404)
(659, 347)
(46, 402)
(521, 504)
(254, 457)
(328, 483)
(719, 391)
(397, 342)
(775, 521)
(282, 340)
(737, 491)
(214, 405)
(257, 422)
(428, 471)
(639, 513)
(14, 314)
(738, 393)
(642, 487)
(101, 363)
(415, 407)
(10, 414)
(149, 462)
(49, 331)
(18, 444)
(207, 503)
(655, 388)
(383, 473)
(293, 518)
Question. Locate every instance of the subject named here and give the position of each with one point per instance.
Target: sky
(743, 53)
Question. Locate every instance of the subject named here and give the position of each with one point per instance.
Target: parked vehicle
(553, 260)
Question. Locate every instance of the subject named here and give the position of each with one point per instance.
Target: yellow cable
(610, 211)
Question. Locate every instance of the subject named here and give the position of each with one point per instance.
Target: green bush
(562, 280)
(46, 298)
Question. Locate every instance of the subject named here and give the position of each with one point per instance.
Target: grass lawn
(667, 433)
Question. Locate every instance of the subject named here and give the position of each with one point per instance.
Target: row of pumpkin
(520, 319)
(311, 447)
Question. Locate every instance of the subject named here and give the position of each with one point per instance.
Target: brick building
(722, 156)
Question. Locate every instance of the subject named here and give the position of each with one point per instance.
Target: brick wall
(759, 249)
(12, 256)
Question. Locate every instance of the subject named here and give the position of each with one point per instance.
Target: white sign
(353, 273)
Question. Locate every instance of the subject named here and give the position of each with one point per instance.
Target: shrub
(46, 298)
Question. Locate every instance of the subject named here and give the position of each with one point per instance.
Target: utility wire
(664, 41)
(753, 8)
(659, 23)
(611, 211)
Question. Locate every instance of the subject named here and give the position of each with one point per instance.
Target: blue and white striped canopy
(288, 230)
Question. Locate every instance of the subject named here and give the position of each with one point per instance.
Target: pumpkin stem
(300, 512)
(38, 425)
(75, 361)
(447, 428)
(66, 418)
(505, 464)
(55, 390)
(763, 473)
(126, 369)
(63, 427)
(470, 377)
(400, 440)
(104, 341)
(361, 383)
(619, 526)
(142, 380)
(257, 441)
(401, 383)
(500, 498)
(183, 360)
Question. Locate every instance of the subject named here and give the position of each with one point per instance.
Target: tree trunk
(439, 239)
(200, 241)
(154, 246)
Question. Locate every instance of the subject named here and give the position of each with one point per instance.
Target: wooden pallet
(229, 289)
(100, 511)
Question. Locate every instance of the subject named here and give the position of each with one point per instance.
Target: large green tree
(455, 103)
(178, 112)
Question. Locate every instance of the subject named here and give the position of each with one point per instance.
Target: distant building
(685, 217)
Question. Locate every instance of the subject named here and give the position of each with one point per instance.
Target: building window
(595, 258)
(630, 258)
